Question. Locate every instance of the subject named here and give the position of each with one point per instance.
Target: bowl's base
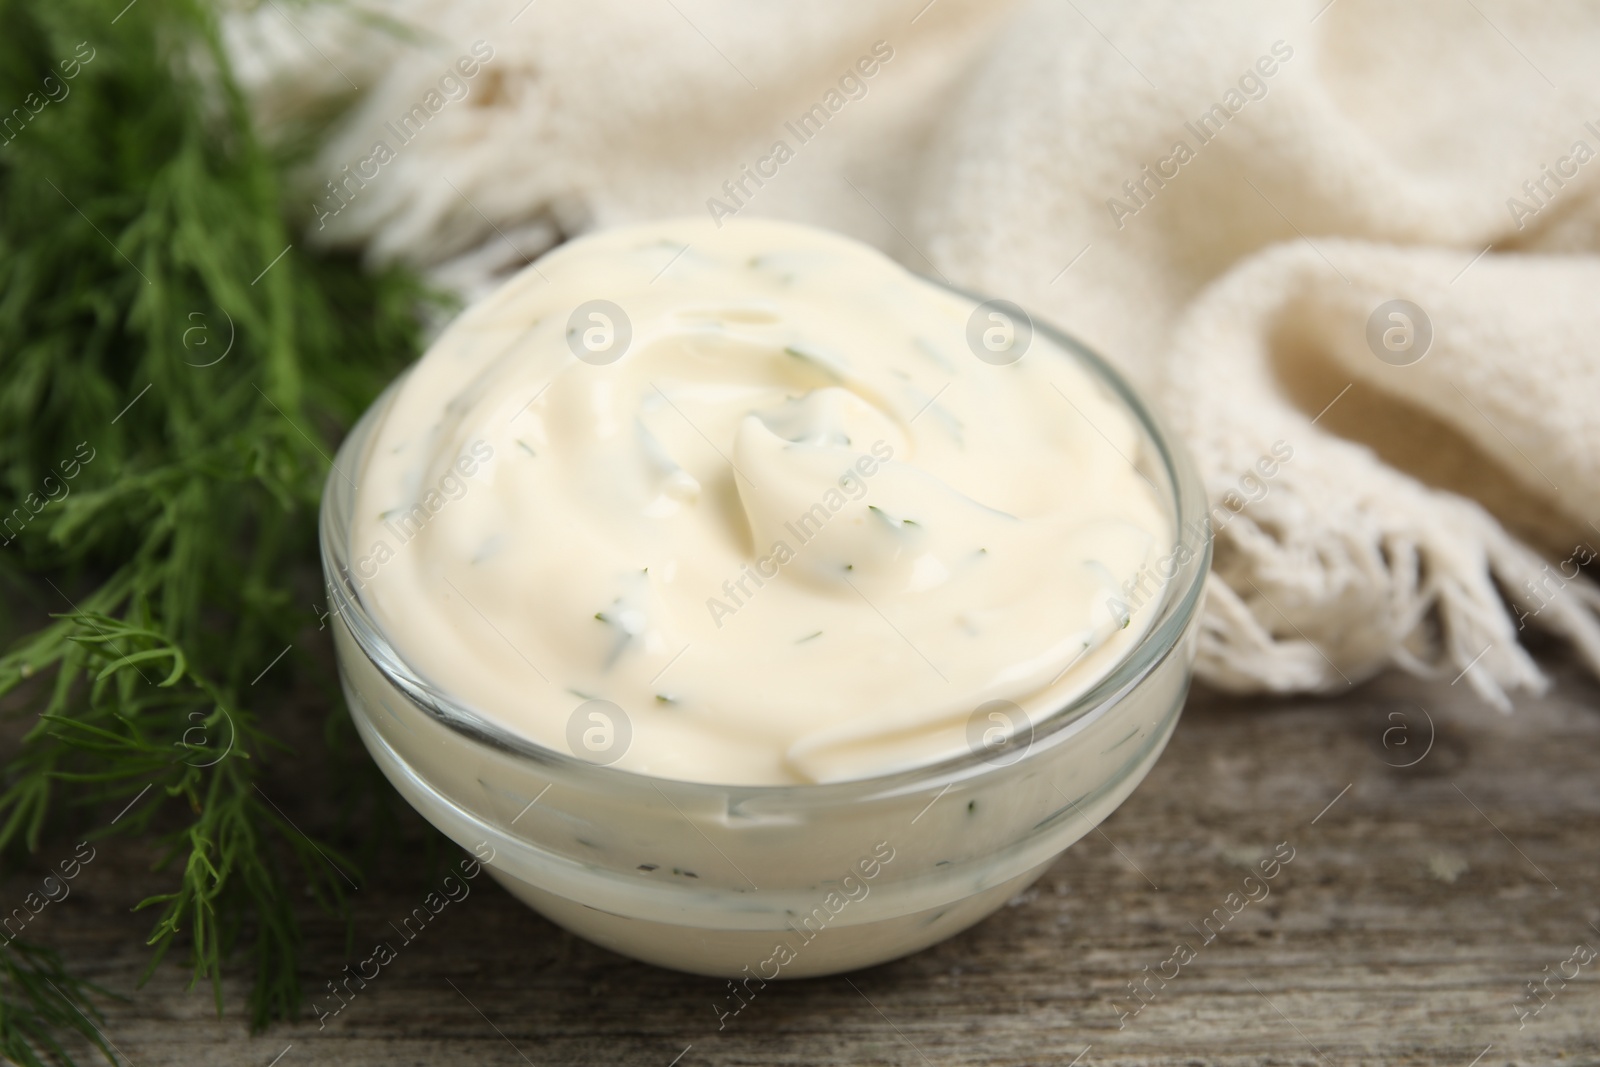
(812, 945)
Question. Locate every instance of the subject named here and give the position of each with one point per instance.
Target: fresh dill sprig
(40, 1000)
(174, 372)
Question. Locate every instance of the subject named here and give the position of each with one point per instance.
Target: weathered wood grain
(1402, 932)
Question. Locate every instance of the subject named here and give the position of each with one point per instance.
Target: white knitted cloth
(1218, 197)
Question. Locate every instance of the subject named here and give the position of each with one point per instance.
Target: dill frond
(174, 372)
(40, 1000)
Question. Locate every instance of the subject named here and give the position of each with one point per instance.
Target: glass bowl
(759, 882)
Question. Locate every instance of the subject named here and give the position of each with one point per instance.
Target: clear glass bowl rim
(1181, 601)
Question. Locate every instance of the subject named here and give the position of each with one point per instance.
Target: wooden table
(1420, 901)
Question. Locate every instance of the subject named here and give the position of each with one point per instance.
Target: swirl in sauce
(780, 514)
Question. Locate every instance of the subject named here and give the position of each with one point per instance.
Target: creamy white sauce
(780, 514)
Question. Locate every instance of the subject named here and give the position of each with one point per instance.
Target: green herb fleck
(886, 518)
(814, 361)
